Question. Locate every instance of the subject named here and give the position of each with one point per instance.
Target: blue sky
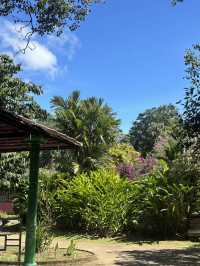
(129, 52)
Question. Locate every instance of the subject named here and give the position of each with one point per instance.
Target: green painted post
(31, 221)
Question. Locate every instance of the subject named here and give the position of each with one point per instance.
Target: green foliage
(20, 198)
(91, 122)
(43, 238)
(167, 148)
(104, 204)
(15, 94)
(45, 17)
(192, 94)
(95, 202)
(13, 170)
(49, 183)
(151, 124)
(122, 153)
(185, 169)
(160, 205)
(71, 249)
(191, 114)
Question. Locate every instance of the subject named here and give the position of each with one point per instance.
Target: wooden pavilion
(18, 133)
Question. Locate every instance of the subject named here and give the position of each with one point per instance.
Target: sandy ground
(120, 252)
(111, 252)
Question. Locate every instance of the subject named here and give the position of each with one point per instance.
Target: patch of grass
(135, 242)
(47, 256)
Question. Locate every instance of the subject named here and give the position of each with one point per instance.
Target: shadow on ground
(165, 257)
(135, 240)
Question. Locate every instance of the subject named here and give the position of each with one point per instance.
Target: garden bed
(49, 257)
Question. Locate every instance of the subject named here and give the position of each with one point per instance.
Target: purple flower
(141, 159)
(126, 170)
(142, 167)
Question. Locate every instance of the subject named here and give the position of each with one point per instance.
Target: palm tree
(90, 121)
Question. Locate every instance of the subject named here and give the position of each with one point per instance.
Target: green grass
(50, 255)
(133, 241)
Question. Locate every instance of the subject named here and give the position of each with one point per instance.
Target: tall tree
(191, 114)
(17, 95)
(150, 125)
(90, 121)
(192, 92)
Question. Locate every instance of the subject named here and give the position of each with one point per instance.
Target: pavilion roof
(16, 132)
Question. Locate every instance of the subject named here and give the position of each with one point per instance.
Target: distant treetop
(47, 16)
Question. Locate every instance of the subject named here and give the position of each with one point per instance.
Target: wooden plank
(20, 247)
(4, 246)
(9, 245)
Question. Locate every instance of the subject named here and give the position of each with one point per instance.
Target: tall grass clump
(95, 203)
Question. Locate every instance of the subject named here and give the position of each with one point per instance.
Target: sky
(128, 52)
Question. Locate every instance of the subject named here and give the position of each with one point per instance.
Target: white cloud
(67, 44)
(36, 57)
(39, 58)
(51, 54)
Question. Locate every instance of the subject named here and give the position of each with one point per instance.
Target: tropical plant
(49, 182)
(122, 153)
(71, 249)
(91, 122)
(96, 203)
(43, 237)
(160, 205)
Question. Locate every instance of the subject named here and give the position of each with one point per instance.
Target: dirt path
(109, 252)
(113, 252)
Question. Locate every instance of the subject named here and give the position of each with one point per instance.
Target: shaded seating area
(10, 239)
(17, 134)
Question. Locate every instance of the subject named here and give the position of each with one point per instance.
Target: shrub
(20, 199)
(43, 237)
(141, 166)
(122, 153)
(95, 202)
(185, 169)
(159, 206)
(126, 171)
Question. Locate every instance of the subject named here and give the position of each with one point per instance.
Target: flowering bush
(141, 167)
(126, 170)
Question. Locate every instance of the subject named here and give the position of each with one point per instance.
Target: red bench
(6, 206)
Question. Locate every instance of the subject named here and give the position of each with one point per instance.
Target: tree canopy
(17, 95)
(150, 124)
(174, 2)
(192, 92)
(47, 16)
(90, 121)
